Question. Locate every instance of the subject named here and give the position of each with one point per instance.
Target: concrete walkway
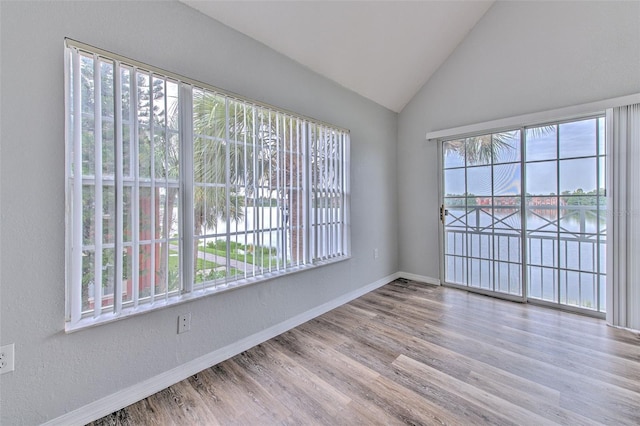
(221, 260)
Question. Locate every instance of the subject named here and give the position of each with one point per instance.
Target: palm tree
(485, 149)
(210, 161)
(480, 149)
(265, 156)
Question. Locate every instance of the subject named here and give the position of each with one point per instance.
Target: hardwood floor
(410, 353)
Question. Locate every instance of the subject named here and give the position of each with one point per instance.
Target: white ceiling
(382, 50)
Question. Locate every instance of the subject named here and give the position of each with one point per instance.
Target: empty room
(319, 212)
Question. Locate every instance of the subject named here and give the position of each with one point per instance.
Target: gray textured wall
(55, 372)
(521, 57)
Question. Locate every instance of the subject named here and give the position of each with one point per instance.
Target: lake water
(566, 258)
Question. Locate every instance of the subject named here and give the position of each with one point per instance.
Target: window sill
(105, 318)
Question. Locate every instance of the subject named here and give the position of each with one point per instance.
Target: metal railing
(564, 250)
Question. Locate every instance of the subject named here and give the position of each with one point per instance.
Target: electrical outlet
(376, 254)
(7, 358)
(184, 323)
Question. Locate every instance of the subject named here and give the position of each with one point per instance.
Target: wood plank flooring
(409, 353)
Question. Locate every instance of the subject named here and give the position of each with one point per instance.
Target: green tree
(484, 149)
(264, 155)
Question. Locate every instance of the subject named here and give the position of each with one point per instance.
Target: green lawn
(261, 256)
(205, 270)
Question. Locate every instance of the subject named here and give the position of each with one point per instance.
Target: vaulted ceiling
(382, 50)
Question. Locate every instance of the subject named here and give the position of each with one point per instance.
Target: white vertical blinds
(623, 248)
(176, 189)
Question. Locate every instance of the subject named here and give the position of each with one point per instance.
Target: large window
(176, 189)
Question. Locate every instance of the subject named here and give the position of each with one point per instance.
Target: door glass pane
(565, 235)
(479, 150)
(454, 182)
(506, 212)
(542, 178)
(479, 181)
(506, 179)
(581, 216)
(542, 214)
(541, 143)
(484, 213)
(506, 147)
(578, 177)
(578, 139)
(453, 153)
(456, 212)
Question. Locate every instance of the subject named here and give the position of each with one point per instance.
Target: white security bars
(176, 189)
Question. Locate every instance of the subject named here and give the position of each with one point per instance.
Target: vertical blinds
(176, 189)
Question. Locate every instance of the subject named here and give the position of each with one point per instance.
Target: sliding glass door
(524, 214)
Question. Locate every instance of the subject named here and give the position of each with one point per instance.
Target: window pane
(506, 179)
(479, 150)
(579, 214)
(144, 152)
(88, 215)
(601, 137)
(147, 212)
(456, 212)
(127, 202)
(453, 153)
(542, 214)
(127, 274)
(578, 139)
(108, 276)
(541, 143)
(506, 147)
(88, 280)
(507, 213)
(454, 182)
(542, 178)
(109, 214)
(578, 177)
(172, 105)
(479, 180)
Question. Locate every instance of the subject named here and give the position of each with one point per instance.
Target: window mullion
(97, 133)
(334, 195)
(326, 137)
(256, 190)
(245, 183)
(303, 168)
(291, 173)
(300, 224)
(278, 192)
(187, 260)
(339, 192)
(135, 193)
(227, 179)
(270, 183)
(165, 219)
(77, 204)
(117, 289)
(152, 196)
(346, 158)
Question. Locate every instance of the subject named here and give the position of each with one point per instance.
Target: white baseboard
(421, 278)
(118, 400)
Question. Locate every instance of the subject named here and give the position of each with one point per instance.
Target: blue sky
(577, 139)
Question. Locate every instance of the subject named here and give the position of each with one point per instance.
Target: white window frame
(323, 178)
